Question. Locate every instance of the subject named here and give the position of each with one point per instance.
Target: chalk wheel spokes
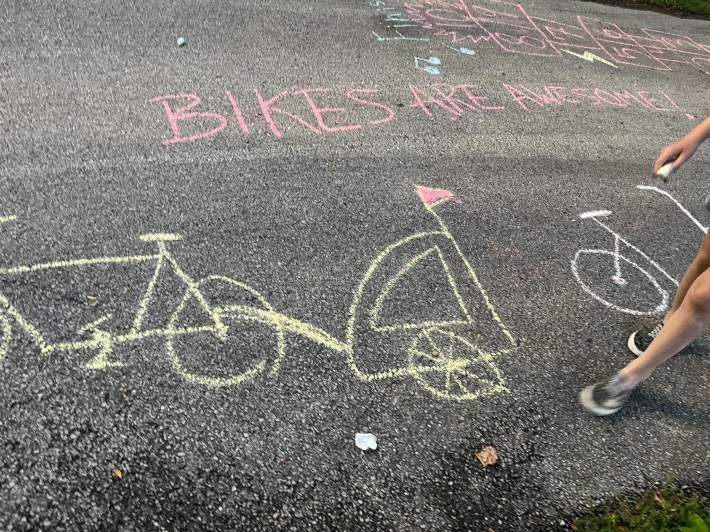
(450, 366)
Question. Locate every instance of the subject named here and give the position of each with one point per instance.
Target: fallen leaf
(487, 456)
(658, 498)
(91, 298)
(117, 472)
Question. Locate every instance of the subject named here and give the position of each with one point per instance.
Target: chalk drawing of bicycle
(443, 355)
(615, 268)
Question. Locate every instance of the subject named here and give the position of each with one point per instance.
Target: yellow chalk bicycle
(442, 353)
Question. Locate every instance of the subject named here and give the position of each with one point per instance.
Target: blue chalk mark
(428, 69)
(399, 38)
(396, 17)
(463, 50)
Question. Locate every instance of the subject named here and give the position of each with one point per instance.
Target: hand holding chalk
(674, 156)
(665, 171)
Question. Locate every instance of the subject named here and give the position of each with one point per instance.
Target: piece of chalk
(665, 171)
(181, 41)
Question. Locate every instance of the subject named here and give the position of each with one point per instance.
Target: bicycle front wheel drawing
(449, 366)
(616, 281)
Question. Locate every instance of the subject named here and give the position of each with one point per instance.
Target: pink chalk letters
(323, 110)
(556, 95)
(175, 116)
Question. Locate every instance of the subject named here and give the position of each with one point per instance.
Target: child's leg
(687, 319)
(682, 327)
(697, 267)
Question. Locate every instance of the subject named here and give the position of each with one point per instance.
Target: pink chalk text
(329, 111)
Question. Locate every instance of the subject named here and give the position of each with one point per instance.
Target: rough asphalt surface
(153, 445)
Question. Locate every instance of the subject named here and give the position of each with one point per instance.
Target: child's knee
(698, 298)
(703, 260)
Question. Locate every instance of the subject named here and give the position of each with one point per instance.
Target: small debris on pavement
(365, 441)
(181, 41)
(118, 473)
(487, 456)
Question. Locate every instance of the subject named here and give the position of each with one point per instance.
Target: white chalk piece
(365, 441)
(665, 171)
(181, 41)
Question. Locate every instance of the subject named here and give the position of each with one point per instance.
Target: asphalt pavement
(222, 260)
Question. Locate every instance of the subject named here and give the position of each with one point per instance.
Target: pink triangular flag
(432, 195)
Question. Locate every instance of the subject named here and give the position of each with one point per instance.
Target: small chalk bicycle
(611, 279)
(219, 316)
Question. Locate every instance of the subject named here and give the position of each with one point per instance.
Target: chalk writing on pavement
(326, 110)
(513, 29)
(396, 23)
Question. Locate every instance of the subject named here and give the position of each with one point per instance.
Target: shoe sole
(631, 343)
(585, 397)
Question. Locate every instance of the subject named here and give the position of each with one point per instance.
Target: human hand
(677, 153)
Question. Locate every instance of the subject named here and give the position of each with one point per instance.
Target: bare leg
(682, 327)
(697, 267)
